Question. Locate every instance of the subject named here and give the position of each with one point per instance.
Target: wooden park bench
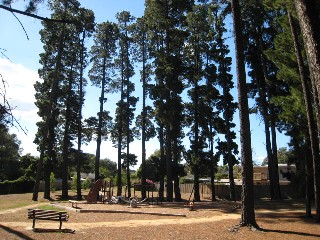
(47, 215)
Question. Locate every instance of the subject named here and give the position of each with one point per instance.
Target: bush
(52, 182)
(74, 182)
(20, 185)
(86, 183)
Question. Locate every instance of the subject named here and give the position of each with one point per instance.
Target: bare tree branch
(6, 115)
(21, 25)
(2, 52)
(35, 16)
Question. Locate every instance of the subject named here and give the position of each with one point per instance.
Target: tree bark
(100, 121)
(248, 213)
(275, 169)
(120, 131)
(169, 164)
(308, 16)
(144, 116)
(231, 181)
(66, 142)
(162, 163)
(79, 133)
(309, 110)
(213, 164)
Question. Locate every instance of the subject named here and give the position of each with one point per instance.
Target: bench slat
(43, 211)
(52, 219)
(47, 215)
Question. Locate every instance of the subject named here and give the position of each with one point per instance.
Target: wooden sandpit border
(118, 211)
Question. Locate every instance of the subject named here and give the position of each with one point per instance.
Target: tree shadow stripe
(17, 233)
(291, 232)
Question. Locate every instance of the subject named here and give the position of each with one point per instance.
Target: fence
(223, 191)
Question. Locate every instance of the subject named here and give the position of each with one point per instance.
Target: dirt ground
(210, 220)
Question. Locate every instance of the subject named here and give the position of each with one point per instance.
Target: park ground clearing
(210, 220)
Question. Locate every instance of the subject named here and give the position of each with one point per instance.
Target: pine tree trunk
(196, 185)
(79, 133)
(309, 109)
(176, 187)
(177, 193)
(119, 177)
(308, 179)
(46, 177)
(120, 132)
(38, 175)
(308, 16)
(162, 163)
(248, 213)
(259, 69)
(231, 182)
(128, 171)
(196, 144)
(213, 165)
(65, 151)
(143, 130)
(275, 170)
(144, 114)
(169, 164)
(212, 183)
(100, 121)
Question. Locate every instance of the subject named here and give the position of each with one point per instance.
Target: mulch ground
(210, 220)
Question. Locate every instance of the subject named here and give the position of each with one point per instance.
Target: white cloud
(19, 82)
(20, 93)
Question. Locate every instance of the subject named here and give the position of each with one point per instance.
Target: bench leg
(33, 223)
(60, 221)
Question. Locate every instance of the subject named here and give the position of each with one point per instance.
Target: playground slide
(94, 191)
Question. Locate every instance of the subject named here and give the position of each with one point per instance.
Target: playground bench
(74, 203)
(47, 215)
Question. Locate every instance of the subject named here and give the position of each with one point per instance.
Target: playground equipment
(101, 190)
(133, 201)
(149, 187)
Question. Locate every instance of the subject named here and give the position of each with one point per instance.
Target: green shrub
(74, 182)
(52, 182)
(86, 183)
(20, 185)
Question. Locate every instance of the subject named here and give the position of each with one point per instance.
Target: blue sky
(19, 62)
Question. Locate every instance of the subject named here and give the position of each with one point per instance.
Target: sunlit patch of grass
(50, 207)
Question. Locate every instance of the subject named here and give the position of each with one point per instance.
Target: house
(261, 174)
(85, 176)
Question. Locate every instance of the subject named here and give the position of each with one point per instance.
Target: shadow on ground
(16, 233)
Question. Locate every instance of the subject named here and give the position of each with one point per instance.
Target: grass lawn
(12, 201)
